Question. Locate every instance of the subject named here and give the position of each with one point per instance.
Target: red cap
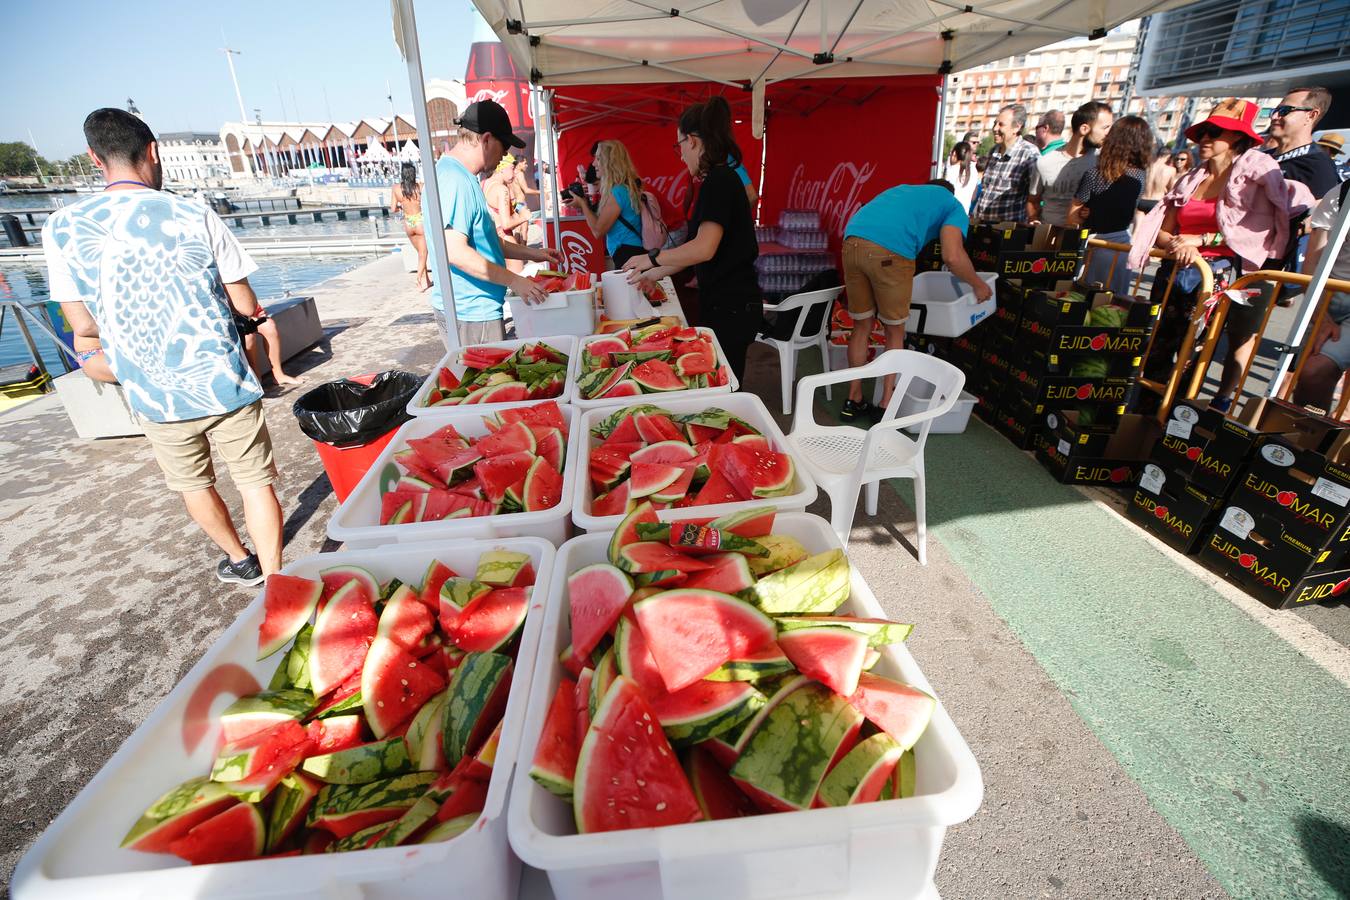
(1230, 115)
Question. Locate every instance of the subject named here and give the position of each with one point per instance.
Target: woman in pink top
(1232, 210)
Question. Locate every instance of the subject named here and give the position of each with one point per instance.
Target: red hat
(1230, 115)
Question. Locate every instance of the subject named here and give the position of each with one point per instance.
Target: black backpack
(785, 324)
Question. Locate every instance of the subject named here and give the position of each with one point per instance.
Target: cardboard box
(929, 258)
(1016, 417)
(1076, 455)
(1109, 398)
(1251, 552)
(996, 355)
(941, 347)
(1053, 323)
(989, 389)
(1037, 253)
(965, 351)
(1307, 492)
(1165, 504)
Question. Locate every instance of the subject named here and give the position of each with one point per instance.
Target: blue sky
(73, 57)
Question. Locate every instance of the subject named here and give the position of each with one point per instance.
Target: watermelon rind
(339, 806)
(649, 789)
(499, 568)
(606, 670)
(293, 670)
(776, 692)
(555, 756)
(476, 688)
(359, 840)
(425, 726)
(861, 775)
(288, 602)
(817, 584)
(767, 663)
(345, 620)
(408, 824)
(784, 550)
(905, 775)
(361, 764)
(626, 532)
(255, 712)
(879, 632)
(290, 805)
(176, 812)
(692, 631)
(788, 753)
(706, 709)
(449, 829)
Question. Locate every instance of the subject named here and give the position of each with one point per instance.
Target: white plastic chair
(788, 349)
(842, 458)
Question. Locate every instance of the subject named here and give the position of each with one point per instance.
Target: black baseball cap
(488, 117)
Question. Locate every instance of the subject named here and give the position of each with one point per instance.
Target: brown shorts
(878, 281)
(183, 449)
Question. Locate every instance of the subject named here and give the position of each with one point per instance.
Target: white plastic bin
(79, 856)
(944, 306)
(748, 406)
(357, 520)
(886, 849)
(953, 421)
(417, 406)
(564, 312)
(574, 372)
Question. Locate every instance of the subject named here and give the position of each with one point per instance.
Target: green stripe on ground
(1240, 742)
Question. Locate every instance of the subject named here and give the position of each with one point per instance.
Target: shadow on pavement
(1325, 842)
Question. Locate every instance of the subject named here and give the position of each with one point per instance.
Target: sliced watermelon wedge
(555, 756)
(596, 595)
(691, 632)
(832, 656)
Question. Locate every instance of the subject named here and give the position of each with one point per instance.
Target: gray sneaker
(246, 572)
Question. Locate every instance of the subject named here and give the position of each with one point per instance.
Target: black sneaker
(246, 572)
(854, 412)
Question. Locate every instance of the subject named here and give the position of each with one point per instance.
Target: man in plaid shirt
(1007, 180)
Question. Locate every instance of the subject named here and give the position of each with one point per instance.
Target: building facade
(193, 157)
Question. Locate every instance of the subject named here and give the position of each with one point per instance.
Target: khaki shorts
(183, 449)
(878, 282)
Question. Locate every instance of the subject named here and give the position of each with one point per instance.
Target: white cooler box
(574, 373)
(564, 312)
(885, 849)
(417, 406)
(953, 421)
(944, 306)
(79, 856)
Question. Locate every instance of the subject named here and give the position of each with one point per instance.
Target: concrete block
(297, 320)
(97, 410)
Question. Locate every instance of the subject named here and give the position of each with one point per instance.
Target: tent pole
(557, 170)
(1340, 232)
(407, 21)
(939, 135)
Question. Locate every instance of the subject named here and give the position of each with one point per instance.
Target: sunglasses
(680, 142)
(1208, 132)
(1282, 111)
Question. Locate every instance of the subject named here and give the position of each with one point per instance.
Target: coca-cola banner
(491, 75)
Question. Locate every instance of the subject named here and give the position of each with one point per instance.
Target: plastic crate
(886, 849)
(748, 406)
(78, 855)
(945, 306)
(574, 372)
(564, 312)
(417, 405)
(357, 520)
(953, 421)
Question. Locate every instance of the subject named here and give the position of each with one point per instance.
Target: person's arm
(532, 254)
(751, 194)
(524, 184)
(475, 265)
(954, 255)
(1035, 195)
(242, 299)
(700, 249)
(601, 220)
(82, 324)
(500, 209)
(396, 200)
(1185, 248)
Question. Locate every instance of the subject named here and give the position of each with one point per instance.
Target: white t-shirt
(1323, 219)
(965, 193)
(151, 268)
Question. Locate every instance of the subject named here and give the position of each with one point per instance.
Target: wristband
(652, 255)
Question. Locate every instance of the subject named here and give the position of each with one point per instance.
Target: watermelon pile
(516, 467)
(649, 359)
(533, 371)
(678, 460)
(558, 282)
(379, 727)
(710, 677)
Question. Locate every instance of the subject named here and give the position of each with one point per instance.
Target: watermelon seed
(660, 806)
(641, 783)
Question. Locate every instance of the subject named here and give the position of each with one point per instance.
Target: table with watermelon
(616, 709)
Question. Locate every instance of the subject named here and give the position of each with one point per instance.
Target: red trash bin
(346, 465)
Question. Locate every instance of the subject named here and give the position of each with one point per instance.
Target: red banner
(583, 251)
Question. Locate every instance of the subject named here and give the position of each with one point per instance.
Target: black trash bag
(347, 413)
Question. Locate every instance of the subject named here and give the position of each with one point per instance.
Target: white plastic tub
(357, 521)
(943, 305)
(79, 856)
(574, 372)
(417, 406)
(564, 312)
(748, 406)
(886, 849)
(953, 421)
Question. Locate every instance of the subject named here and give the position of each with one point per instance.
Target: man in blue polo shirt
(881, 242)
(478, 273)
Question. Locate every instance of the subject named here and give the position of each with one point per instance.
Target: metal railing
(20, 312)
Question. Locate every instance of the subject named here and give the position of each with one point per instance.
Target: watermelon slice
(596, 596)
(258, 712)
(901, 711)
(717, 489)
(176, 813)
(613, 503)
(861, 775)
(478, 692)
(705, 709)
(237, 833)
(755, 472)
(691, 632)
(513, 438)
(625, 387)
(405, 620)
(483, 357)
(626, 533)
(499, 473)
(832, 656)
(657, 375)
(627, 776)
(456, 594)
(288, 602)
(335, 733)
(543, 486)
(658, 556)
(767, 662)
(729, 574)
(342, 634)
(581, 701)
(555, 756)
(361, 764)
(717, 795)
(491, 621)
(655, 426)
(504, 568)
(345, 809)
(424, 735)
(335, 577)
(879, 632)
(257, 763)
(290, 805)
(430, 595)
(749, 523)
(394, 685)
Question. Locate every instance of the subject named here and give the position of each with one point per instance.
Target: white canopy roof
(738, 41)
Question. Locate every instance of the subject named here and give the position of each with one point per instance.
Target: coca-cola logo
(489, 94)
(834, 197)
(675, 188)
(577, 250)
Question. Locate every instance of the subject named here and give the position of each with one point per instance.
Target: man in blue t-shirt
(157, 280)
(478, 274)
(881, 242)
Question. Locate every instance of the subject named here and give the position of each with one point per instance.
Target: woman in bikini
(497, 190)
(407, 197)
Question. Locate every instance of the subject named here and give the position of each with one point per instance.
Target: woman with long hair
(722, 247)
(1231, 211)
(1105, 201)
(407, 198)
(497, 191)
(961, 173)
(616, 218)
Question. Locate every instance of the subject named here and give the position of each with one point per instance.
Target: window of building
(1067, 74)
(1020, 60)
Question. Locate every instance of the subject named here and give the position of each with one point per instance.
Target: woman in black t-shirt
(1106, 198)
(721, 247)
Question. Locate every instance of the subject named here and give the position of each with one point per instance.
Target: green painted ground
(1239, 741)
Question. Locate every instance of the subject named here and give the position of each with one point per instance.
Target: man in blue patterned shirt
(156, 279)
(1007, 180)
